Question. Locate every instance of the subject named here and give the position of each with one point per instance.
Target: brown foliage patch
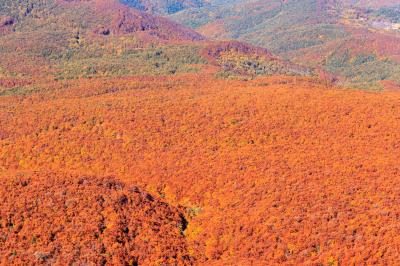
(49, 219)
(13, 82)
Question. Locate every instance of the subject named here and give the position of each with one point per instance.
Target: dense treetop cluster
(59, 220)
(274, 170)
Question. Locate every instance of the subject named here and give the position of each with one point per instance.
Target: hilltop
(62, 40)
(81, 20)
(71, 37)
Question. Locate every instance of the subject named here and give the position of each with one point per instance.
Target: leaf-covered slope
(85, 17)
(73, 39)
(241, 58)
(273, 171)
(60, 219)
(38, 38)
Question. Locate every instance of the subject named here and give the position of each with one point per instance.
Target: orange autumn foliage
(64, 220)
(277, 170)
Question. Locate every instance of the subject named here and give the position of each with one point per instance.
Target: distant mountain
(99, 16)
(70, 34)
(241, 58)
(163, 6)
(358, 41)
(70, 39)
(372, 3)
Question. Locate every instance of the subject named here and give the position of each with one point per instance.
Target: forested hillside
(356, 41)
(234, 138)
(276, 170)
(62, 40)
(164, 6)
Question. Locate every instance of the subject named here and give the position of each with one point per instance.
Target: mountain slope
(78, 35)
(271, 171)
(84, 17)
(227, 153)
(310, 33)
(62, 40)
(164, 6)
(373, 3)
